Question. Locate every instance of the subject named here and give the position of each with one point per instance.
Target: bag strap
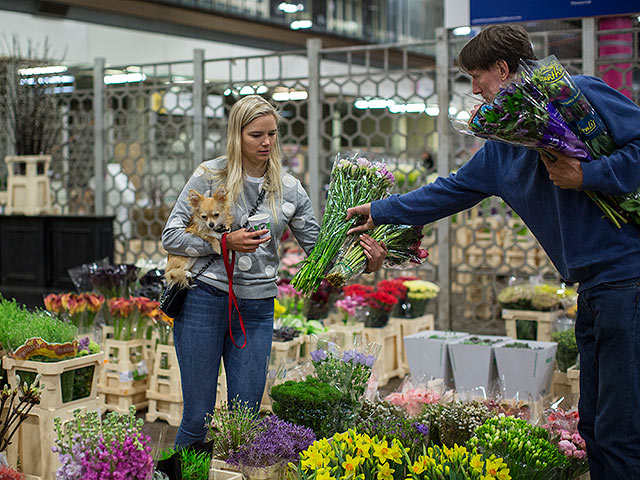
(233, 301)
(255, 207)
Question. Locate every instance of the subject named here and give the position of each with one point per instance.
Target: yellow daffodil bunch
(457, 463)
(278, 309)
(351, 456)
(421, 289)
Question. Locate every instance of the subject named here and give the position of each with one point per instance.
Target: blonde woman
(201, 331)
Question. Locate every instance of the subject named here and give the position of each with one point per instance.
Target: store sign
(483, 12)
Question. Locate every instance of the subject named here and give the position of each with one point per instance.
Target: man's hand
(246, 241)
(365, 211)
(374, 251)
(565, 172)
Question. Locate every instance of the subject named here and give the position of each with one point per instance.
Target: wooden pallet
(165, 388)
(544, 321)
(409, 326)
(287, 353)
(34, 439)
(117, 386)
(389, 363)
(573, 374)
(346, 335)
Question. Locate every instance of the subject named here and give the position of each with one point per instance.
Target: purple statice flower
(364, 359)
(83, 344)
(318, 355)
(421, 428)
(349, 355)
(279, 442)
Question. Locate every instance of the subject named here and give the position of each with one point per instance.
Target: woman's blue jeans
(608, 335)
(201, 337)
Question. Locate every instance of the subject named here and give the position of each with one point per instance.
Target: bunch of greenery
(525, 448)
(567, 354)
(314, 404)
(17, 325)
(454, 423)
(232, 426)
(193, 465)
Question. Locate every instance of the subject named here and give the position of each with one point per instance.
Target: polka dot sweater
(255, 273)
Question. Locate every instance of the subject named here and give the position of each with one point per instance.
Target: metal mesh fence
(156, 122)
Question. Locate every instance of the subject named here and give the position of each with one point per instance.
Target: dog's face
(211, 214)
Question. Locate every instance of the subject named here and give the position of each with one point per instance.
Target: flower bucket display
(473, 362)
(428, 354)
(525, 368)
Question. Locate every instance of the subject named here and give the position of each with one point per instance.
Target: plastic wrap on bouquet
(355, 180)
(413, 394)
(403, 243)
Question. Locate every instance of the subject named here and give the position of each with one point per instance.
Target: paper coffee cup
(260, 222)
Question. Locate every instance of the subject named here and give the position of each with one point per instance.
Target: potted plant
(428, 355)
(567, 354)
(525, 368)
(419, 292)
(473, 362)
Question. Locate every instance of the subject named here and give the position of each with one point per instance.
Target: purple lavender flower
(422, 428)
(318, 355)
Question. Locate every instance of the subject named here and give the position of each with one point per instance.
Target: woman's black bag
(172, 300)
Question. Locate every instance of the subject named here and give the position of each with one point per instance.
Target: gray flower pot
(428, 357)
(474, 366)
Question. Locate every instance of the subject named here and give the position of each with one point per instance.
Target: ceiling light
(298, 24)
(124, 78)
(461, 31)
(293, 95)
(43, 70)
(290, 7)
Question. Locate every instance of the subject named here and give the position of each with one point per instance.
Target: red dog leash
(228, 266)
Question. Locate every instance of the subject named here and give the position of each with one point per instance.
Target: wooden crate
(215, 474)
(165, 388)
(118, 388)
(389, 363)
(544, 321)
(51, 372)
(345, 335)
(409, 326)
(286, 353)
(573, 374)
(272, 472)
(34, 439)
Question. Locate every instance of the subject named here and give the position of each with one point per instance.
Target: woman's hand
(246, 241)
(374, 251)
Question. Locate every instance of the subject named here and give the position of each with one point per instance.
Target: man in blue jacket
(584, 247)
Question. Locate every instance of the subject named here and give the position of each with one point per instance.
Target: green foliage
(232, 426)
(194, 465)
(525, 448)
(567, 354)
(17, 325)
(314, 404)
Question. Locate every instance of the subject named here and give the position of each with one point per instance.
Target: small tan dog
(211, 218)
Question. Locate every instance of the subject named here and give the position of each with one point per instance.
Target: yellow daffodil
(385, 472)
(324, 474)
(382, 451)
(351, 464)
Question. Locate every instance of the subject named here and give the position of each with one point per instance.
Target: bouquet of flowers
(130, 315)
(351, 455)
(290, 298)
(93, 449)
(522, 115)
(348, 306)
(412, 396)
(113, 281)
(354, 181)
(458, 463)
(348, 370)
(403, 244)
(380, 306)
(563, 432)
(81, 309)
(526, 449)
(419, 292)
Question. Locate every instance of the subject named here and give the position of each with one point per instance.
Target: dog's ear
(194, 198)
(221, 194)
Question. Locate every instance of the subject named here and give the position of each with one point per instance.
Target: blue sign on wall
(483, 12)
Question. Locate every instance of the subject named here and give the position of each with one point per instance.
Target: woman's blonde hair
(243, 112)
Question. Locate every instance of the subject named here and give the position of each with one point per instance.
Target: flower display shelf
(474, 365)
(124, 377)
(544, 322)
(286, 353)
(52, 378)
(573, 374)
(215, 474)
(429, 357)
(165, 389)
(34, 439)
(389, 363)
(107, 333)
(561, 386)
(526, 372)
(345, 335)
(409, 326)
